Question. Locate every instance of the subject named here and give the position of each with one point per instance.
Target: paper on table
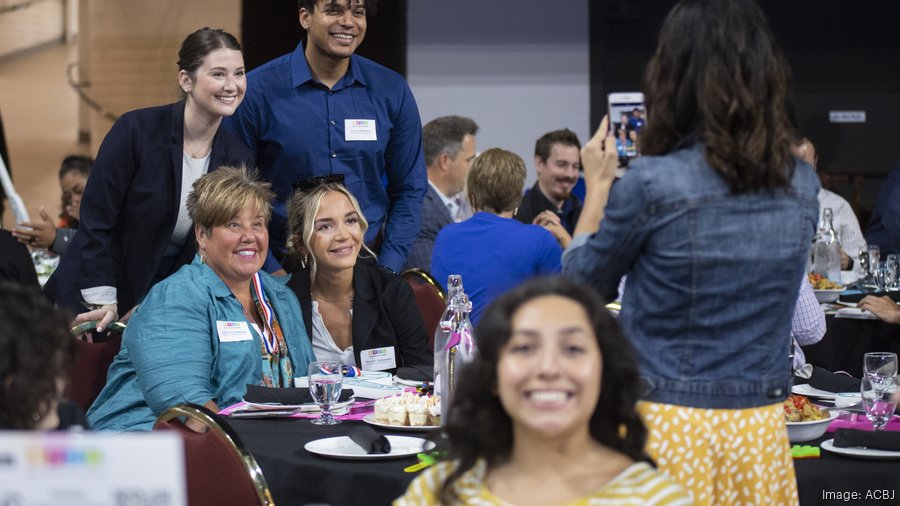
(853, 312)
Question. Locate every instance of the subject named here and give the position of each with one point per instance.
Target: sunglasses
(312, 183)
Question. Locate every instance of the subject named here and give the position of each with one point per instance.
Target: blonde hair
(222, 194)
(302, 212)
(495, 181)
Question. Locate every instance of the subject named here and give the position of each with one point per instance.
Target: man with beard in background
(550, 203)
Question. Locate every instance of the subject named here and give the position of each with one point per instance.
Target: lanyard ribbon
(269, 337)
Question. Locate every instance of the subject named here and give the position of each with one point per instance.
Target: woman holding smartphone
(716, 189)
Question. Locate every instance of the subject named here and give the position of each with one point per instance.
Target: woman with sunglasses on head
(716, 190)
(134, 227)
(545, 414)
(355, 311)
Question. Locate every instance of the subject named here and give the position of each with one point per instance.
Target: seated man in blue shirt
(550, 203)
(321, 110)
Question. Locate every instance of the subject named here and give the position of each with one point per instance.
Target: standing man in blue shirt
(323, 109)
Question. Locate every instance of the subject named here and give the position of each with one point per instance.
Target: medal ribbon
(268, 315)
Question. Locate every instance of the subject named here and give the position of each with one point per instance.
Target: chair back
(91, 364)
(429, 298)
(220, 470)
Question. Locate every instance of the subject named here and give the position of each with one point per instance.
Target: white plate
(410, 383)
(863, 453)
(302, 408)
(809, 391)
(371, 420)
(342, 447)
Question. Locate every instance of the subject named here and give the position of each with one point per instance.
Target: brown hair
(563, 136)
(495, 181)
(221, 195)
(719, 78)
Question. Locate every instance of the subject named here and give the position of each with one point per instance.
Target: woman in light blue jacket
(713, 226)
(214, 326)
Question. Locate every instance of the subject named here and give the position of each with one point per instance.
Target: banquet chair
(92, 360)
(429, 298)
(219, 468)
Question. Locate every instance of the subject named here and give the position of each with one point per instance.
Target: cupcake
(418, 414)
(397, 414)
(434, 412)
(381, 409)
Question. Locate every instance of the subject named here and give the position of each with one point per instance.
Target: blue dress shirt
(296, 126)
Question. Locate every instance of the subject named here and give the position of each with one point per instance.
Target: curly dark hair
(615, 423)
(718, 77)
(36, 350)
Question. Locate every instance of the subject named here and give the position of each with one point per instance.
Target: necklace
(194, 152)
(348, 298)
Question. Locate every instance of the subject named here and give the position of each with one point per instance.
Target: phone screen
(627, 116)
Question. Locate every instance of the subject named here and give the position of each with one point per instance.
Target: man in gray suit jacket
(449, 145)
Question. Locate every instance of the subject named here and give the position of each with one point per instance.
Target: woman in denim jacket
(713, 227)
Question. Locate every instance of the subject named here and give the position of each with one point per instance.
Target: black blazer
(384, 314)
(130, 206)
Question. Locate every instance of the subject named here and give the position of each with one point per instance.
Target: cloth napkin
(831, 382)
(258, 394)
(369, 440)
(882, 440)
(416, 373)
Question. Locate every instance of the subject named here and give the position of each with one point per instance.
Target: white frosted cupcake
(418, 414)
(397, 414)
(381, 409)
(434, 413)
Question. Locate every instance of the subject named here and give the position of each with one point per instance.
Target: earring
(304, 260)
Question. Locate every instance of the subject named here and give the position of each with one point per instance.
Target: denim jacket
(712, 277)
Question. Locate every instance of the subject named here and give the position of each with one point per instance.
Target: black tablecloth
(875, 481)
(847, 340)
(297, 477)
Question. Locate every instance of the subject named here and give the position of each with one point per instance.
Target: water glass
(892, 262)
(878, 400)
(885, 277)
(325, 381)
(874, 257)
(880, 365)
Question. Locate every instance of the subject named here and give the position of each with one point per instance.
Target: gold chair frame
(425, 276)
(208, 419)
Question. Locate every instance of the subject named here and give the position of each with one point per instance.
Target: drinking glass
(863, 269)
(878, 400)
(880, 365)
(874, 257)
(325, 381)
(893, 264)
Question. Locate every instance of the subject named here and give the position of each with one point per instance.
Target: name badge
(378, 359)
(359, 130)
(230, 332)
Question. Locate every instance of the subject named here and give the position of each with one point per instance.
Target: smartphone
(627, 117)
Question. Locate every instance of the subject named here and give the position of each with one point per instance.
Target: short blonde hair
(302, 211)
(222, 194)
(495, 181)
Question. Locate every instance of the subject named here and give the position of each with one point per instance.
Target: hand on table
(36, 234)
(882, 307)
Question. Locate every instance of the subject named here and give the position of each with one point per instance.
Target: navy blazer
(130, 206)
(435, 216)
(384, 314)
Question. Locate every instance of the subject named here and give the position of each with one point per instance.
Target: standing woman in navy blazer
(134, 228)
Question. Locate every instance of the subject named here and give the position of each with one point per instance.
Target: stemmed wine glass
(325, 381)
(880, 365)
(878, 400)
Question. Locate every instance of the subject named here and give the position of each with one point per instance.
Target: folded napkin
(831, 382)
(881, 440)
(416, 373)
(258, 394)
(369, 440)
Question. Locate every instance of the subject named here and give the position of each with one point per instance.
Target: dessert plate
(815, 393)
(371, 420)
(859, 452)
(342, 447)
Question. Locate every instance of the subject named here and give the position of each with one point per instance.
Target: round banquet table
(846, 340)
(297, 477)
